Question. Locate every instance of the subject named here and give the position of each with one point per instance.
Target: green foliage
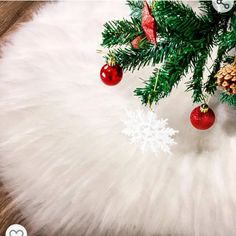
(185, 41)
(228, 59)
(131, 59)
(148, 54)
(210, 85)
(227, 40)
(136, 8)
(195, 84)
(229, 99)
(162, 82)
(177, 20)
(121, 32)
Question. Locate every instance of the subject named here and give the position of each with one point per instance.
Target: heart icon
(16, 233)
(16, 230)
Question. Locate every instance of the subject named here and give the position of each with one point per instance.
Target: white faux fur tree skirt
(62, 154)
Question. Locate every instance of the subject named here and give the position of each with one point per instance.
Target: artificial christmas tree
(172, 34)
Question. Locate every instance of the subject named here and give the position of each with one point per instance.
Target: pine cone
(226, 78)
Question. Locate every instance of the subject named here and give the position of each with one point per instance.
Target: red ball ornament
(202, 117)
(111, 74)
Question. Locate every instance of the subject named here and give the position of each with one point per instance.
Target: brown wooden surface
(11, 14)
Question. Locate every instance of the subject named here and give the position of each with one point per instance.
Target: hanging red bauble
(149, 24)
(136, 41)
(111, 73)
(202, 117)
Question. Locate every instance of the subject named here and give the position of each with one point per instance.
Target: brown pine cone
(226, 78)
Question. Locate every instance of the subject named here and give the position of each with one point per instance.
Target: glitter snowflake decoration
(149, 133)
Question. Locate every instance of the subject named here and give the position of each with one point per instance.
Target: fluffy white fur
(64, 159)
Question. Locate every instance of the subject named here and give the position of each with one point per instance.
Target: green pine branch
(218, 36)
(162, 82)
(209, 14)
(228, 59)
(131, 59)
(210, 86)
(120, 32)
(185, 40)
(136, 7)
(227, 40)
(195, 84)
(228, 99)
(177, 20)
(148, 54)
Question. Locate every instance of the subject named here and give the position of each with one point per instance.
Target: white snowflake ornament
(149, 133)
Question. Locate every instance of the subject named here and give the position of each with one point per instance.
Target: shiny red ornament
(149, 24)
(202, 117)
(111, 74)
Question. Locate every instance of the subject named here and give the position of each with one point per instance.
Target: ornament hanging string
(154, 90)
